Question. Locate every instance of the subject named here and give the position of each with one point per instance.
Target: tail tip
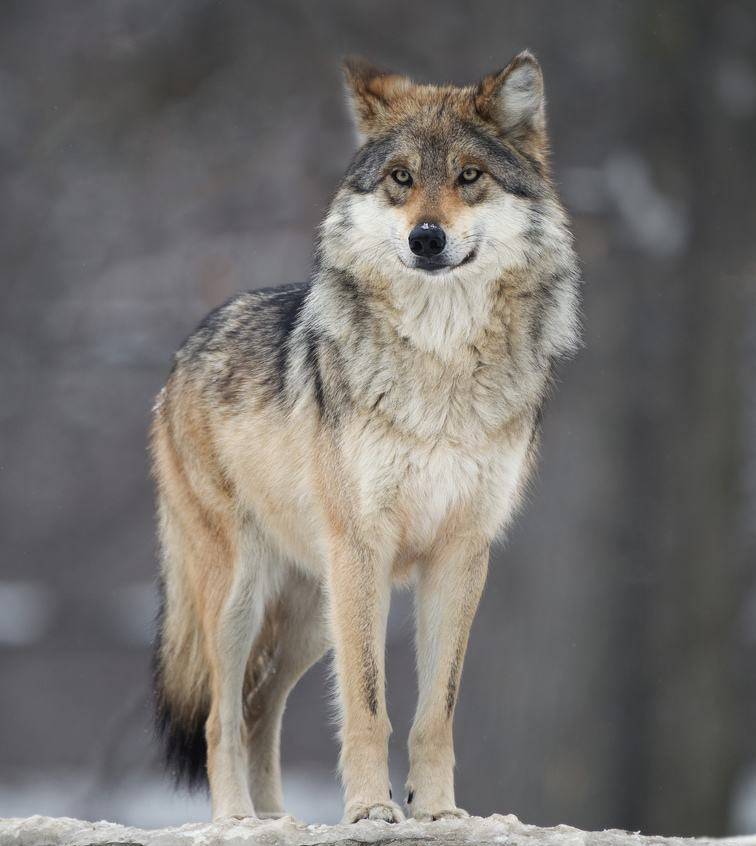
(184, 745)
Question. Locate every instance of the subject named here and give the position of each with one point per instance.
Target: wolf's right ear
(370, 92)
(513, 98)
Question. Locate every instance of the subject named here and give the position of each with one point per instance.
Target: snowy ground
(312, 796)
(46, 831)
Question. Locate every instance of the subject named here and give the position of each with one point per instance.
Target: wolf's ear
(370, 92)
(513, 98)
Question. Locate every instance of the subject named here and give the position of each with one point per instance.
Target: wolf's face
(444, 185)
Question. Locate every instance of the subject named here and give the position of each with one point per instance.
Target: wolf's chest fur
(423, 488)
(445, 435)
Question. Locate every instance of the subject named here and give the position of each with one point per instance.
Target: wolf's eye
(469, 175)
(402, 177)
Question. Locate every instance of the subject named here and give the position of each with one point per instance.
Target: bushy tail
(181, 686)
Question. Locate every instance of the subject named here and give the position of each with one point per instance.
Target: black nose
(427, 239)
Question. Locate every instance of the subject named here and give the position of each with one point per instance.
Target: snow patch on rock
(496, 829)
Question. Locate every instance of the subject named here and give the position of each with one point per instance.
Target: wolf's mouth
(430, 266)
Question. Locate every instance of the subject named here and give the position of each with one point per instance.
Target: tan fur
(311, 448)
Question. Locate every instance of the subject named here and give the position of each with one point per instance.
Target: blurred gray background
(157, 157)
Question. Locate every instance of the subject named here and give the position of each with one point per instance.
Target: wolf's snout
(427, 240)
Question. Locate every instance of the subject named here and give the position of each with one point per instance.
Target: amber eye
(402, 177)
(469, 175)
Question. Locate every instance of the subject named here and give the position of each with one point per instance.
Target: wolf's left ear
(513, 98)
(370, 92)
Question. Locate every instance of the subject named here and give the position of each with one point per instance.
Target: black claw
(391, 793)
(410, 797)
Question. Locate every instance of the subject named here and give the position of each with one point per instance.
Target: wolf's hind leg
(294, 637)
(232, 628)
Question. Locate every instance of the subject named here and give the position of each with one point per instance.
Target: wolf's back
(240, 350)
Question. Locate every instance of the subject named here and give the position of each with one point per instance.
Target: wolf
(315, 444)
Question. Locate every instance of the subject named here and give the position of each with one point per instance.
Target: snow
(496, 829)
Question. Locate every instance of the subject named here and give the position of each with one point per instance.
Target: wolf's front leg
(360, 590)
(447, 596)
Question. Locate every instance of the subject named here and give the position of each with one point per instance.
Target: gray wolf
(315, 444)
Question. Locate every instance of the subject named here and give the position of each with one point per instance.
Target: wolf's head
(447, 181)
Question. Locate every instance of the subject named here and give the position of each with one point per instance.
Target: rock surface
(496, 829)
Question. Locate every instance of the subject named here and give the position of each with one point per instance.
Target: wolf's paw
(432, 814)
(386, 811)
